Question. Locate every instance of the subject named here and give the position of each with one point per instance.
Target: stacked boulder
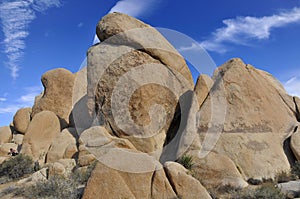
(125, 110)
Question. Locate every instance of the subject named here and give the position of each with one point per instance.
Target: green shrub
(16, 167)
(54, 188)
(186, 161)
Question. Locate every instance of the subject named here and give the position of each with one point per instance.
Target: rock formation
(133, 110)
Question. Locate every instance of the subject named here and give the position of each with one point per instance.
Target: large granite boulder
(121, 29)
(22, 119)
(132, 105)
(41, 132)
(57, 96)
(184, 185)
(259, 117)
(216, 170)
(152, 184)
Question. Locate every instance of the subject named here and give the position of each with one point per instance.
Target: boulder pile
(135, 110)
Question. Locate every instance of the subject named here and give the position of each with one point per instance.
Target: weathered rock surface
(132, 113)
(216, 170)
(42, 130)
(185, 185)
(152, 184)
(121, 29)
(96, 141)
(292, 187)
(249, 109)
(5, 134)
(297, 104)
(18, 139)
(57, 97)
(61, 167)
(22, 119)
(63, 146)
(202, 88)
(295, 143)
(251, 120)
(255, 154)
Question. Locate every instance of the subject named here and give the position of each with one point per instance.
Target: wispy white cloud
(134, 8)
(292, 86)
(30, 94)
(15, 16)
(243, 29)
(24, 100)
(2, 99)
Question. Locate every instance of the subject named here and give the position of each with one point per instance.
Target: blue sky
(39, 35)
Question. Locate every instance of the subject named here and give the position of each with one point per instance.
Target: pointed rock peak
(233, 63)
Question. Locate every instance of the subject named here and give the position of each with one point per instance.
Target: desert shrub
(56, 187)
(82, 176)
(265, 191)
(296, 169)
(16, 167)
(285, 176)
(186, 161)
(222, 190)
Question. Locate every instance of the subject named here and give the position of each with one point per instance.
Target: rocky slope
(135, 110)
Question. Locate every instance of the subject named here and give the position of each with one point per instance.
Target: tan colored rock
(185, 185)
(18, 139)
(42, 130)
(255, 154)
(85, 160)
(63, 146)
(202, 88)
(121, 29)
(139, 110)
(62, 167)
(297, 105)
(22, 119)
(295, 143)
(96, 142)
(250, 109)
(5, 134)
(5, 148)
(250, 119)
(216, 170)
(56, 168)
(57, 97)
(152, 184)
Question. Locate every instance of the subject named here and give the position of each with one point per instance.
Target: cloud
(15, 16)
(134, 8)
(292, 86)
(2, 99)
(25, 100)
(243, 29)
